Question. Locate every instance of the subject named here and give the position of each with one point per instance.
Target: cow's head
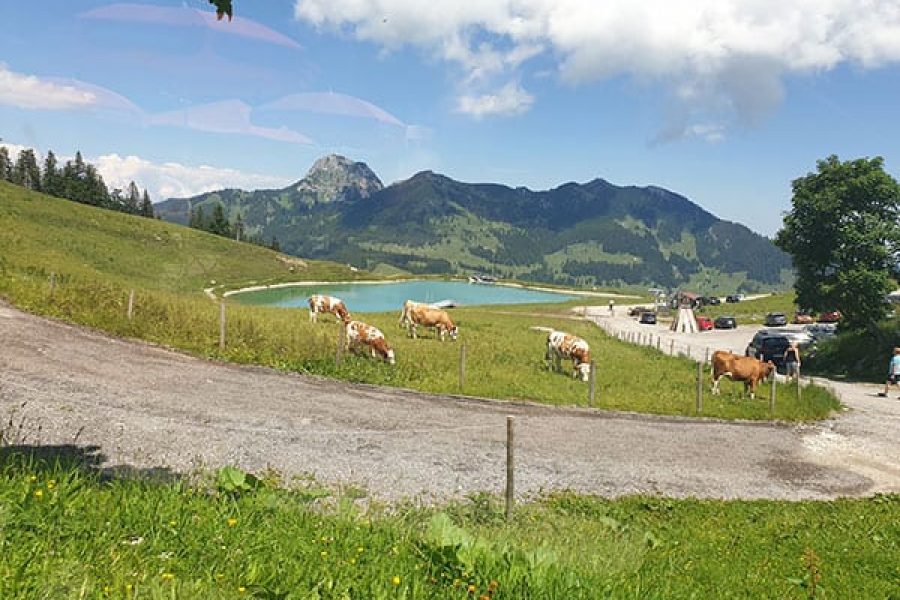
(767, 369)
(584, 369)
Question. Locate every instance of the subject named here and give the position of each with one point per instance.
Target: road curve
(136, 406)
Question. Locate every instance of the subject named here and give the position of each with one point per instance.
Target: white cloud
(28, 91)
(511, 99)
(175, 180)
(701, 51)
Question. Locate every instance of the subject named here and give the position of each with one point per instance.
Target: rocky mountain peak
(335, 177)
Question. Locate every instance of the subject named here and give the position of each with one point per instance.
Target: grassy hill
(40, 234)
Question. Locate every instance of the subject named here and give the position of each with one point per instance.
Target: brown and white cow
(327, 304)
(746, 369)
(428, 316)
(564, 345)
(408, 306)
(359, 335)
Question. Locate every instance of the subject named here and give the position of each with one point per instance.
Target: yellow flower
(128, 587)
(231, 522)
(32, 478)
(241, 589)
(352, 561)
(323, 553)
(168, 576)
(105, 589)
(471, 588)
(172, 523)
(396, 580)
(220, 576)
(360, 550)
(38, 493)
(51, 484)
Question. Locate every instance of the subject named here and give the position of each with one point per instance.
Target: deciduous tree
(844, 236)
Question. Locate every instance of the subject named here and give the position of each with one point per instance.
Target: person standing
(893, 372)
(611, 303)
(792, 361)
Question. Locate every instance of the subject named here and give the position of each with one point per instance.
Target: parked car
(832, 316)
(770, 344)
(776, 319)
(733, 298)
(821, 330)
(773, 348)
(704, 323)
(648, 318)
(714, 300)
(725, 323)
(802, 318)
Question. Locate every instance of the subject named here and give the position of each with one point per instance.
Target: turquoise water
(382, 297)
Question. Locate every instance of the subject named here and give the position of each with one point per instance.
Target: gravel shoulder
(137, 406)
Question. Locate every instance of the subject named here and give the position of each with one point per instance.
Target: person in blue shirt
(893, 372)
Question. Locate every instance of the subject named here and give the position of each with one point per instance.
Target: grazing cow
(327, 304)
(739, 368)
(408, 306)
(563, 345)
(428, 316)
(360, 334)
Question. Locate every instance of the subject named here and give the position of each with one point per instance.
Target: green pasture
(68, 533)
(98, 257)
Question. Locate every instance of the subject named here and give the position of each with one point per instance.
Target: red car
(704, 323)
(830, 317)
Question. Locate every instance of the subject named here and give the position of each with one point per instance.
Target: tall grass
(67, 533)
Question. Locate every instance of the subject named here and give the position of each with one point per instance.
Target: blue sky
(722, 101)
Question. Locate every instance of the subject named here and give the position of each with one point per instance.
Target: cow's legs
(715, 385)
(312, 315)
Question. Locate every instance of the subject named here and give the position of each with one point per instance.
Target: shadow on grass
(85, 459)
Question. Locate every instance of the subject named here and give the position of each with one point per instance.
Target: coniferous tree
(5, 164)
(275, 245)
(51, 177)
(146, 206)
(218, 224)
(238, 227)
(132, 199)
(198, 220)
(26, 171)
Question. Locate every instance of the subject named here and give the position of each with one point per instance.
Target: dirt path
(139, 406)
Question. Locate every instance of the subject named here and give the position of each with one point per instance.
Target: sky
(723, 101)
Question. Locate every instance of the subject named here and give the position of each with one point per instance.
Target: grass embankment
(100, 256)
(67, 534)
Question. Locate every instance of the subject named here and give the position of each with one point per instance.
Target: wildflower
(360, 550)
(32, 478)
(168, 576)
(396, 580)
(105, 589)
(493, 585)
(220, 576)
(231, 522)
(51, 484)
(471, 588)
(172, 523)
(352, 561)
(128, 587)
(241, 589)
(38, 493)
(323, 553)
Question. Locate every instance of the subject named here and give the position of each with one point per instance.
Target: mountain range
(590, 234)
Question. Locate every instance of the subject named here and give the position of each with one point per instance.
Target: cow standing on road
(327, 304)
(564, 345)
(748, 370)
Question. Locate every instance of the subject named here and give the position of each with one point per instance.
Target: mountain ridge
(586, 234)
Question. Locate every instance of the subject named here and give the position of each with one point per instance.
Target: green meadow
(98, 257)
(68, 533)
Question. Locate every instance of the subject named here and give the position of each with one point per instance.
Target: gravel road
(131, 405)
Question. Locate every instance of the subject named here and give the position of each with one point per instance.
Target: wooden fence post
(672, 347)
(462, 366)
(658, 343)
(699, 387)
(52, 284)
(772, 395)
(510, 466)
(592, 382)
(222, 324)
(339, 351)
(130, 304)
(798, 386)
(706, 356)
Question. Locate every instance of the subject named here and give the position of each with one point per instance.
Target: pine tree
(146, 206)
(275, 245)
(5, 164)
(219, 224)
(199, 221)
(51, 177)
(238, 227)
(132, 199)
(26, 171)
